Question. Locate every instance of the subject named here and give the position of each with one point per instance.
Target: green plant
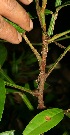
(49, 118)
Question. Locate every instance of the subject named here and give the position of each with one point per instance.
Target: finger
(8, 32)
(26, 1)
(15, 12)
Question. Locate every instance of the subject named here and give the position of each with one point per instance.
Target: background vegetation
(20, 70)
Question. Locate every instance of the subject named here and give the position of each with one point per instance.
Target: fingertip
(30, 1)
(16, 40)
(31, 24)
(19, 37)
(27, 2)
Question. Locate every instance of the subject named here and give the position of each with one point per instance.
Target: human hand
(13, 11)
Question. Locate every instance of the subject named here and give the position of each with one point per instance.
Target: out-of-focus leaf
(30, 59)
(27, 86)
(44, 121)
(58, 3)
(3, 54)
(32, 17)
(26, 101)
(8, 133)
(49, 98)
(2, 97)
(11, 90)
(47, 12)
(4, 76)
(65, 133)
(35, 85)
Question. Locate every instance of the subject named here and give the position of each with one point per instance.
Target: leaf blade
(26, 101)
(3, 54)
(18, 28)
(7, 133)
(63, 5)
(44, 121)
(2, 97)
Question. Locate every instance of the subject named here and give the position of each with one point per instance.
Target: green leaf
(47, 12)
(27, 85)
(32, 16)
(2, 97)
(58, 3)
(5, 76)
(10, 90)
(32, 59)
(65, 133)
(44, 121)
(54, 16)
(63, 5)
(3, 54)
(35, 84)
(8, 133)
(18, 28)
(26, 101)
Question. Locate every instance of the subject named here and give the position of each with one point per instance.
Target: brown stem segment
(41, 78)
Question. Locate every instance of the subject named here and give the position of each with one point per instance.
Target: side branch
(32, 48)
(57, 61)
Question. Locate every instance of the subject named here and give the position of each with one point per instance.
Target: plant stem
(59, 45)
(22, 89)
(63, 38)
(58, 36)
(32, 48)
(41, 77)
(57, 61)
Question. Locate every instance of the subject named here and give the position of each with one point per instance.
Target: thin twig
(55, 37)
(32, 48)
(17, 87)
(21, 89)
(59, 45)
(57, 61)
(38, 9)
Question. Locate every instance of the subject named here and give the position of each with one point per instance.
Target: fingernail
(19, 37)
(30, 1)
(31, 24)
